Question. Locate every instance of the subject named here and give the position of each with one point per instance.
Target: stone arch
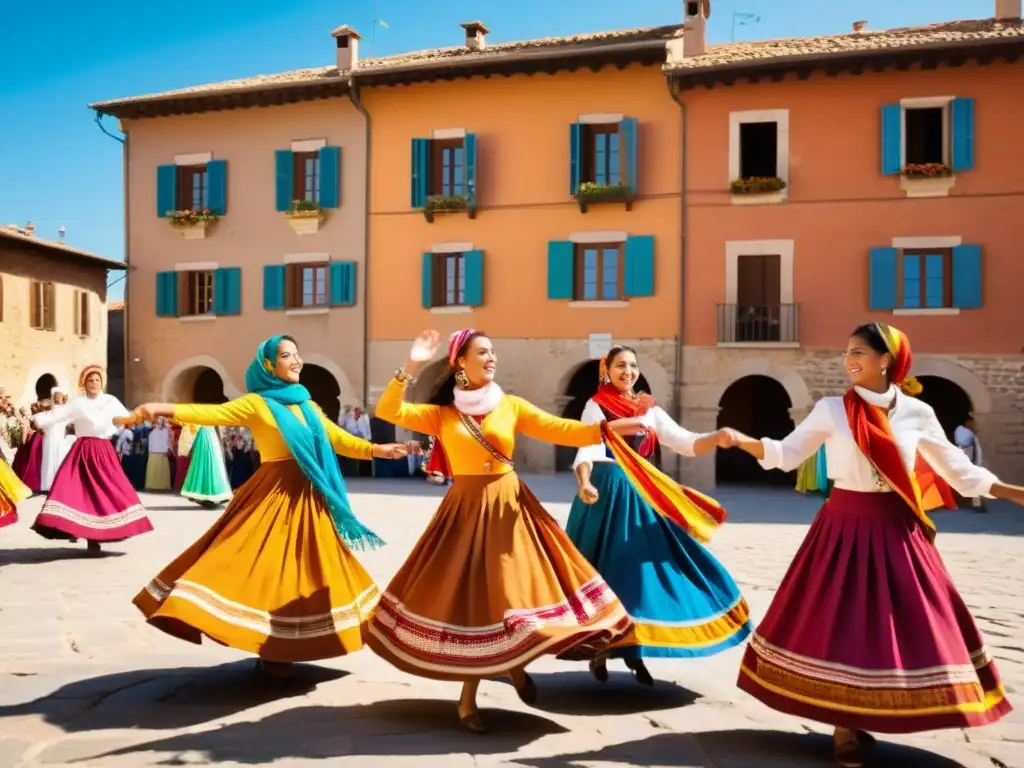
(174, 379)
(981, 398)
(347, 396)
(791, 381)
(61, 374)
(657, 377)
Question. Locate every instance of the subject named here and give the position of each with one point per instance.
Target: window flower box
(927, 179)
(192, 225)
(305, 217)
(757, 190)
(446, 204)
(588, 192)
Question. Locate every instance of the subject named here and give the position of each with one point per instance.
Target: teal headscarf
(308, 443)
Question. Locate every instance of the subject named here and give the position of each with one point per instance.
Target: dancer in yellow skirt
(12, 492)
(275, 575)
(494, 581)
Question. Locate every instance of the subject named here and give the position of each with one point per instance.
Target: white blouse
(159, 440)
(914, 426)
(91, 417)
(670, 434)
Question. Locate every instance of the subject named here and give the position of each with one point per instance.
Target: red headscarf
(617, 406)
(922, 489)
(457, 342)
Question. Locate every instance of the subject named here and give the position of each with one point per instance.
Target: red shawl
(617, 406)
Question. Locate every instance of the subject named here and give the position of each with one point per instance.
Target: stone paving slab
(85, 682)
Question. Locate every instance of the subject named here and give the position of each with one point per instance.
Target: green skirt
(207, 478)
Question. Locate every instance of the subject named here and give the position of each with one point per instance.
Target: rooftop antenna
(373, 32)
(61, 231)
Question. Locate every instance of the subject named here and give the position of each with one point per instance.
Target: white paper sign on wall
(600, 343)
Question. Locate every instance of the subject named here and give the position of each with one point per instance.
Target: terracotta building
(53, 319)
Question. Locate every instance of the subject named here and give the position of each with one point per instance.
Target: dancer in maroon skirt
(867, 631)
(28, 461)
(91, 498)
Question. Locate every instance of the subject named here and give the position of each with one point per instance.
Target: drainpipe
(674, 92)
(354, 97)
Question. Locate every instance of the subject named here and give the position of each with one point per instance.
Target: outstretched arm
(539, 424)
(413, 416)
(798, 446)
(234, 413)
(683, 441)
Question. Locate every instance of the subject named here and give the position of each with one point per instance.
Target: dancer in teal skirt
(683, 602)
(207, 481)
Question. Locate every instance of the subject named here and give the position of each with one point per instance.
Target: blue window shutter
(274, 286)
(284, 179)
(561, 254)
(227, 291)
(628, 131)
(330, 176)
(166, 189)
(967, 276)
(427, 281)
(343, 283)
(474, 269)
(469, 146)
(166, 294)
(575, 157)
(934, 279)
(639, 278)
(892, 139)
(912, 288)
(217, 186)
(962, 119)
(883, 278)
(420, 180)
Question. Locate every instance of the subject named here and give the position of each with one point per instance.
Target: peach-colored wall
(840, 205)
(252, 234)
(522, 125)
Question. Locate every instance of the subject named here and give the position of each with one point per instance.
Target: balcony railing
(757, 324)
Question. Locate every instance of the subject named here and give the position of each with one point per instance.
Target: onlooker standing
(966, 438)
(358, 423)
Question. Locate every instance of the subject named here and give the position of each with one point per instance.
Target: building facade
(53, 319)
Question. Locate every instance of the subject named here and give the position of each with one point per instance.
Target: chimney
(348, 47)
(476, 35)
(695, 26)
(30, 229)
(1008, 10)
(858, 26)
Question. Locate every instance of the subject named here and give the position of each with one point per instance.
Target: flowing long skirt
(55, 450)
(682, 601)
(493, 583)
(91, 497)
(12, 491)
(28, 462)
(158, 472)
(271, 577)
(207, 478)
(867, 630)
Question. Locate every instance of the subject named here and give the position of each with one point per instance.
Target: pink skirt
(867, 630)
(28, 462)
(91, 497)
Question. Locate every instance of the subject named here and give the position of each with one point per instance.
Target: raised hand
(425, 346)
(588, 494)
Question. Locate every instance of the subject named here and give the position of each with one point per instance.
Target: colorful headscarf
(457, 342)
(88, 371)
(308, 443)
(901, 358)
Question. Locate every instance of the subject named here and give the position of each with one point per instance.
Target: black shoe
(474, 724)
(641, 673)
(599, 670)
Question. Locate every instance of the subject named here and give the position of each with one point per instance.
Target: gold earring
(885, 371)
(461, 379)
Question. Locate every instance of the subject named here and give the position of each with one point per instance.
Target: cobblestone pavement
(85, 682)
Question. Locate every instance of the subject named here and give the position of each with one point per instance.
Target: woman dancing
(55, 445)
(275, 575)
(493, 582)
(867, 631)
(12, 492)
(682, 601)
(206, 482)
(28, 461)
(91, 497)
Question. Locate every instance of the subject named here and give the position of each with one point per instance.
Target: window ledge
(196, 318)
(758, 344)
(759, 198)
(457, 310)
(300, 311)
(598, 304)
(937, 187)
(306, 223)
(935, 312)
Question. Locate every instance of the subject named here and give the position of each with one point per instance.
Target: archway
(950, 401)
(323, 388)
(757, 406)
(208, 387)
(45, 385)
(581, 387)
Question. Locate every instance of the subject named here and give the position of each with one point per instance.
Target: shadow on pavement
(577, 693)
(401, 727)
(42, 555)
(741, 748)
(167, 699)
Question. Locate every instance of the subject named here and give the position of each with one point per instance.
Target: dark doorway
(208, 388)
(45, 385)
(757, 406)
(758, 294)
(323, 389)
(950, 402)
(583, 386)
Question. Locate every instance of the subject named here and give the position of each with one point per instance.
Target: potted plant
(926, 179)
(926, 170)
(591, 192)
(755, 190)
(305, 216)
(445, 203)
(192, 224)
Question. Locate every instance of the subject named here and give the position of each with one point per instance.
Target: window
(758, 298)
(448, 280)
(759, 146)
(448, 167)
(41, 305)
(307, 286)
(195, 294)
(598, 272)
(924, 276)
(82, 317)
(925, 132)
(601, 156)
(306, 176)
(192, 188)
(927, 278)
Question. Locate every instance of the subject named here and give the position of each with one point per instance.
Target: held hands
(588, 494)
(389, 451)
(627, 427)
(425, 346)
(727, 437)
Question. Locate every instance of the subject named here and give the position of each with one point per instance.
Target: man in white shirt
(358, 423)
(124, 441)
(966, 438)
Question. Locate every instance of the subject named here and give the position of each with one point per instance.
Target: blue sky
(57, 168)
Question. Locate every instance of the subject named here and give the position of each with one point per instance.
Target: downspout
(354, 97)
(674, 92)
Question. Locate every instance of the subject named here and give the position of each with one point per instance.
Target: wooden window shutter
(883, 278)
(962, 140)
(561, 254)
